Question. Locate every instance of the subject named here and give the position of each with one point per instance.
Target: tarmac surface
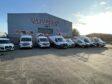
(57, 66)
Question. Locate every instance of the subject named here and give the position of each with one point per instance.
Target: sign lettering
(44, 21)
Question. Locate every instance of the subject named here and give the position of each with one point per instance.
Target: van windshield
(86, 40)
(69, 40)
(4, 41)
(25, 39)
(59, 40)
(79, 41)
(96, 40)
(43, 40)
(100, 40)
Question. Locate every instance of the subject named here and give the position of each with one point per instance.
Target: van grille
(8, 47)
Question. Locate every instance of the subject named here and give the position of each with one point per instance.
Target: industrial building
(32, 23)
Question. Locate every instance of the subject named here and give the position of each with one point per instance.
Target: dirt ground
(57, 66)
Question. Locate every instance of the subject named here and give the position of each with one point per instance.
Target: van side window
(56, 40)
(38, 40)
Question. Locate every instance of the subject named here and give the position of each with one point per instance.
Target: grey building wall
(33, 21)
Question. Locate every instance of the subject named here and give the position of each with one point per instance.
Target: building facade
(37, 23)
(32, 23)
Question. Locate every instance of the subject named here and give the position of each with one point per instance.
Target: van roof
(4, 39)
(42, 37)
(28, 36)
(55, 36)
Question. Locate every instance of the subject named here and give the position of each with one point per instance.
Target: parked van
(79, 42)
(26, 41)
(70, 43)
(87, 41)
(98, 42)
(6, 45)
(42, 41)
(58, 41)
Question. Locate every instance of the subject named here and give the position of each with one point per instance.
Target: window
(86, 40)
(59, 40)
(4, 41)
(45, 30)
(79, 41)
(25, 39)
(43, 39)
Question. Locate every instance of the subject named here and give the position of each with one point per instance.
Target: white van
(6, 45)
(79, 42)
(26, 41)
(87, 40)
(42, 41)
(58, 41)
(70, 43)
(98, 42)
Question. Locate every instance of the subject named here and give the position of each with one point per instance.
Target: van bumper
(64, 46)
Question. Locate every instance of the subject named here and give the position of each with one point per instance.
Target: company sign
(44, 21)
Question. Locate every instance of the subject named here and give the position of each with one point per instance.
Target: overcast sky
(88, 16)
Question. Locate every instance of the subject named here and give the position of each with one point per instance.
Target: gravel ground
(57, 66)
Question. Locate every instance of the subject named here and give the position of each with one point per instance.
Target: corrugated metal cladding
(32, 23)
